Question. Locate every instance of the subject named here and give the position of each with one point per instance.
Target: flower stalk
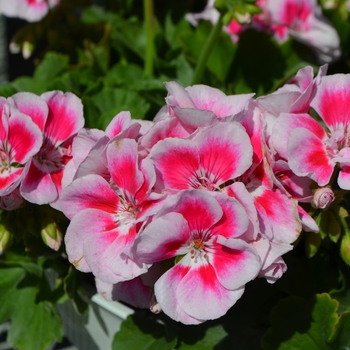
(206, 51)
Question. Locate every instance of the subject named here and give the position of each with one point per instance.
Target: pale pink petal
(331, 100)
(10, 179)
(293, 185)
(344, 177)
(4, 121)
(31, 105)
(231, 105)
(163, 238)
(177, 96)
(165, 128)
(96, 161)
(24, 138)
(37, 186)
(201, 294)
(284, 126)
(102, 246)
(277, 103)
(122, 158)
(307, 156)
(280, 214)
(238, 191)
(31, 11)
(132, 292)
(119, 123)
(91, 191)
(105, 254)
(235, 262)
(234, 221)
(177, 160)
(225, 151)
(11, 201)
(192, 118)
(309, 224)
(166, 293)
(65, 116)
(199, 208)
(204, 97)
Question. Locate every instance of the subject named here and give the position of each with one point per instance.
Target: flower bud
(345, 248)
(154, 306)
(323, 198)
(52, 236)
(11, 201)
(5, 238)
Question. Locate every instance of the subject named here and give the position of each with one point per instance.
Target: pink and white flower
(20, 140)
(106, 217)
(213, 264)
(30, 10)
(310, 149)
(60, 116)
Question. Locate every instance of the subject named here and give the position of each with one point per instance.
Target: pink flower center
(197, 249)
(126, 214)
(203, 181)
(50, 159)
(5, 161)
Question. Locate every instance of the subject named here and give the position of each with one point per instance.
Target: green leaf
(29, 84)
(340, 339)
(71, 286)
(212, 337)
(143, 333)
(7, 90)
(34, 326)
(112, 101)
(51, 66)
(297, 324)
(184, 71)
(312, 243)
(220, 58)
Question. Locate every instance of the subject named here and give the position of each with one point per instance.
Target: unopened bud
(27, 49)
(323, 198)
(11, 201)
(52, 236)
(5, 239)
(154, 306)
(345, 248)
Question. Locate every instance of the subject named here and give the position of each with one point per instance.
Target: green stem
(206, 51)
(148, 13)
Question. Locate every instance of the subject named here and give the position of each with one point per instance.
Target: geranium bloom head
(303, 20)
(20, 140)
(60, 116)
(213, 263)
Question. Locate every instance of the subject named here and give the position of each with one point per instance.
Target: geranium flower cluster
(300, 19)
(192, 206)
(35, 145)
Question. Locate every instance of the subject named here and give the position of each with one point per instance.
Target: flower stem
(206, 51)
(148, 13)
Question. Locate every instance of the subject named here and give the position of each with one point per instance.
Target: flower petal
(91, 191)
(65, 115)
(307, 156)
